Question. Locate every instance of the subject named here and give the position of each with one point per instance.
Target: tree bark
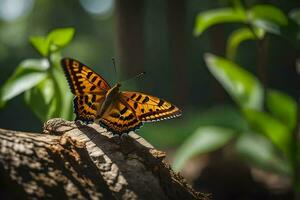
(73, 161)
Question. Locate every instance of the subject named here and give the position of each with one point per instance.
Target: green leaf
(63, 95)
(283, 107)
(42, 100)
(41, 44)
(242, 86)
(292, 31)
(222, 116)
(240, 35)
(56, 39)
(35, 65)
(268, 26)
(295, 15)
(203, 140)
(267, 17)
(237, 4)
(265, 124)
(35, 100)
(61, 36)
(217, 16)
(28, 74)
(267, 13)
(46, 87)
(260, 152)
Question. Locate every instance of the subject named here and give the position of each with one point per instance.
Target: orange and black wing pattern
(126, 112)
(82, 79)
(149, 108)
(86, 107)
(120, 118)
(88, 87)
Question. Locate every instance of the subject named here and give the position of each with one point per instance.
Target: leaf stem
(58, 93)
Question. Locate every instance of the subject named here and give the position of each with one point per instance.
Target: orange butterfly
(119, 112)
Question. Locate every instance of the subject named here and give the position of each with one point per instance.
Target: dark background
(155, 36)
(152, 36)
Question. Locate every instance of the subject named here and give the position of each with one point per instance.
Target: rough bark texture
(73, 161)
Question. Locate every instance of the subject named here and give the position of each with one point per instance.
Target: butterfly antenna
(135, 77)
(115, 68)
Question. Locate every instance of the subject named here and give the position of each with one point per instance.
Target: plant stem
(262, 56)
(262, 60)
(59, 92)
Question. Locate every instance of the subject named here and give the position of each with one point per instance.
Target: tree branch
(73, 161)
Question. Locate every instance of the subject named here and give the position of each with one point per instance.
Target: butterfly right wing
(88, 87)
(149, 108)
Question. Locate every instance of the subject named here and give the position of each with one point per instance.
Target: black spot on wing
(123, 110)
(99, 82)
(89, 74)
(94, 98)
(115, 115)
(86, 99)
(106, 125)
(93, 88)
(132, 96)
(76, 111)
(129, 117)
(161, 102)
(139, 98)
(145, 100)
(94, 79)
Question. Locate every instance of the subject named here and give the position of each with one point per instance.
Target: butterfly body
(109, 97)
(118, 111)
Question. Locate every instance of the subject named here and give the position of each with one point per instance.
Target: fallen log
(74, 161)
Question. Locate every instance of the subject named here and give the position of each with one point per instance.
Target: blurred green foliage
(244, 88)
(260, 127)
(268, 138)
(42, 80)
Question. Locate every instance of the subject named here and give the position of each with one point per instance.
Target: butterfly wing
(86, 107)
(82, 79)
(88, 87)
(119, 118)
(149, 108)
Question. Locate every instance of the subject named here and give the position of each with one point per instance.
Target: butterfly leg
(124, 137)
(116, 138)
(82, 123)
(121, 139)
(79, 123)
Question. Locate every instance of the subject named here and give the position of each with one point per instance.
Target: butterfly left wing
(82, 79)
(119, 118)
(149, 108)
(86, 107)
(88, 87)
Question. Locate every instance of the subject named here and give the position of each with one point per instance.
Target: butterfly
(119, 112)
